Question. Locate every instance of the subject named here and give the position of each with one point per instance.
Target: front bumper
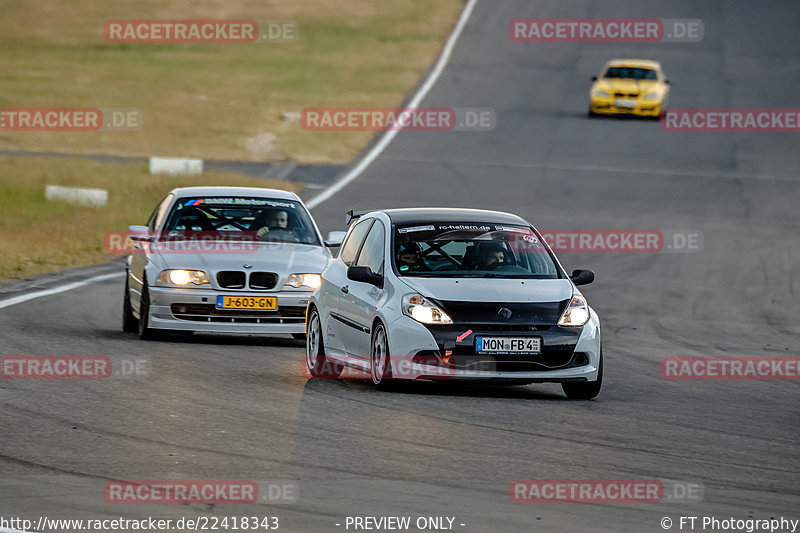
(567, 354)
(194, 310)
(585, 373)
(643, 108)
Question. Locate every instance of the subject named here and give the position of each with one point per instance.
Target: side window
(353, 242)
(158, 214)
(373, 250)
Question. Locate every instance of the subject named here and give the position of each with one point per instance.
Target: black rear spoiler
(352, 215)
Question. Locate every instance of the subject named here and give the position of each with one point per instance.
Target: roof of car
(244, 192)
(449, 214)
(634, 63)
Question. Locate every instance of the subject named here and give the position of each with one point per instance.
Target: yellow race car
(629, 87)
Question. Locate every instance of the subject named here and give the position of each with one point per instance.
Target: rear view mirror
(594, 78)
(335, 239)
(582, 277)
(139, 233)
(364, 275)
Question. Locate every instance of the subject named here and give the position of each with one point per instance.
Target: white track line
(47, 292)
(414, 102)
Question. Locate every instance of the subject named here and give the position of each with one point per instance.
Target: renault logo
(505, 312)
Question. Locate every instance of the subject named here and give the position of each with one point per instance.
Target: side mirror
(668, 82)
(582, 277)
(335, 239)
(594, 78)
(139, 233)
(365, 275)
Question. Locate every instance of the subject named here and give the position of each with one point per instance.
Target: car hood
(491, 289)
(281, 258)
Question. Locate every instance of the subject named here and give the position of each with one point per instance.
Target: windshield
(471, 250)
(631, 73)
(263, 219)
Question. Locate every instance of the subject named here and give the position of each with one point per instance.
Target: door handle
(345, 289)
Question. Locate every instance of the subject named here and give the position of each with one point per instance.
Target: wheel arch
(377, 319)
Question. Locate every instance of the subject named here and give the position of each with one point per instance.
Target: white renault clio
(453, 293)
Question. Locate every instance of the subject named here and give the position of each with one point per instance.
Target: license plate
(262, 303)
(508, 345)
(625, 103)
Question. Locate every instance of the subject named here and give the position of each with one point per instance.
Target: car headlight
(423, 311)
(601, 93)
(651, 96)
(183, 277)
(576, 313)
(311, 281)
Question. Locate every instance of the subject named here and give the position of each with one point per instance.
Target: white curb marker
(175, 165)
(76, 195)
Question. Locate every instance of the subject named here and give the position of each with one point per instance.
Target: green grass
(212, 101)
(207, 100)
(40, 236)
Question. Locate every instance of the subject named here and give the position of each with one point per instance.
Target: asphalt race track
(239, 408)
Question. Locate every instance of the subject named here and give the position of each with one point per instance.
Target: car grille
(558, 343)
(231, 279)
(522, 314)
(209, 313)
(550, 359)
(235, 279)
(507, 363)
(626, 95)
(262, 281)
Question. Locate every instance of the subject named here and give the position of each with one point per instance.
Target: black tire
(145, 331)
(129, 322)
(299, 336)
(585, 390)
(318, 365)
(380, 359)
